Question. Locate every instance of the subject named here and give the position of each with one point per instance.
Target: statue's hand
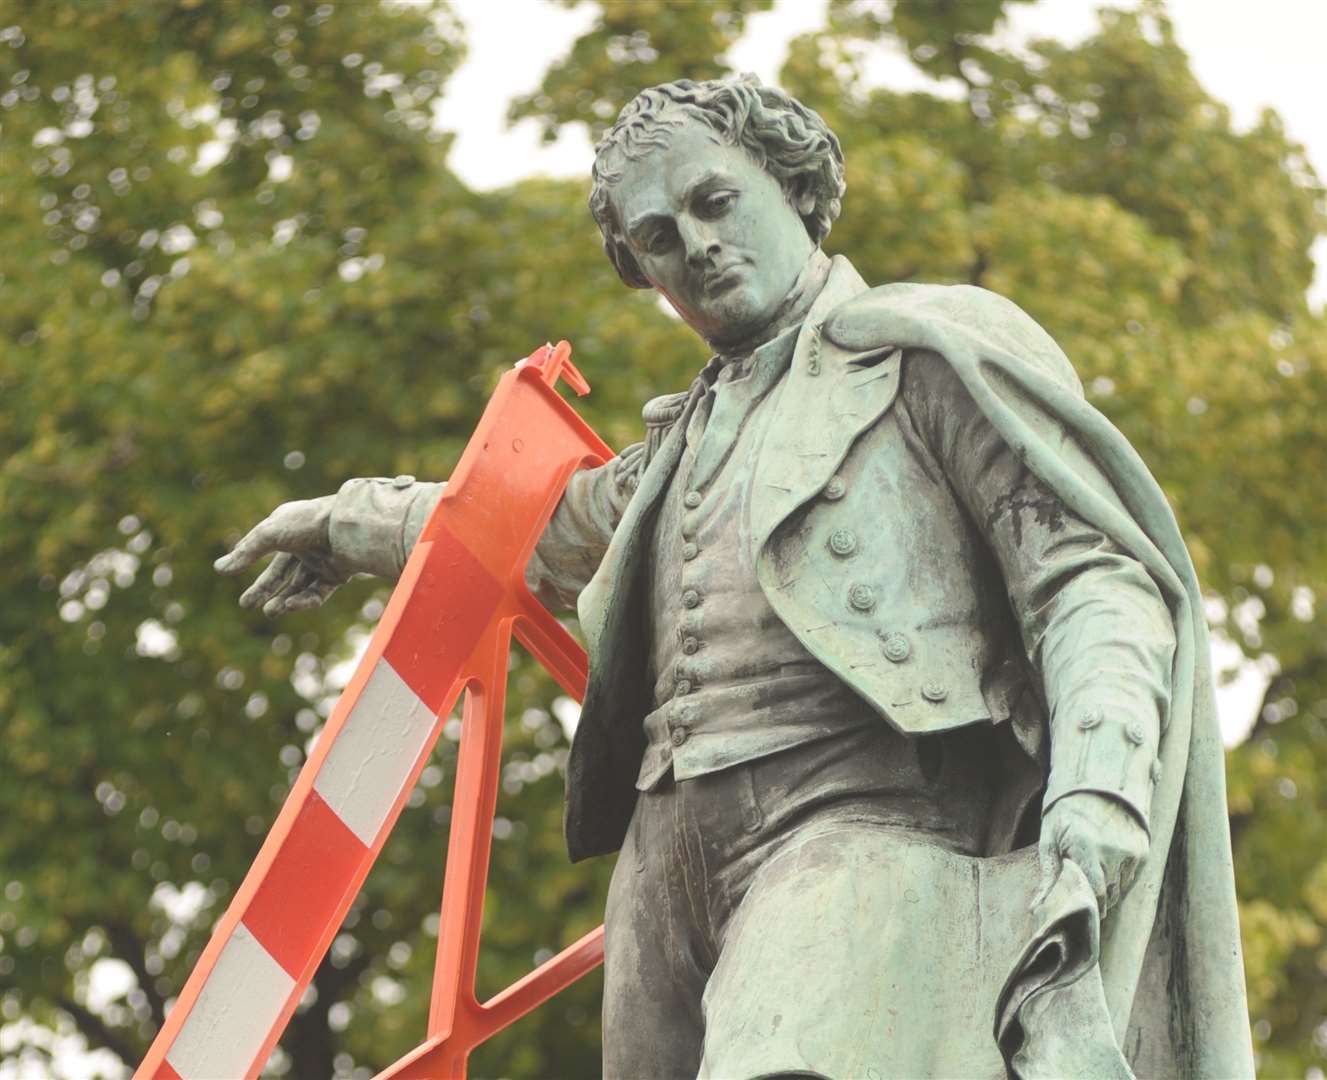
(304, 572)
(1101, 836)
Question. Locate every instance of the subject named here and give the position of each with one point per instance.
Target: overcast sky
(1249, 55)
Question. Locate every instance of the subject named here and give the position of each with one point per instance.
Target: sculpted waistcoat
(864, 553)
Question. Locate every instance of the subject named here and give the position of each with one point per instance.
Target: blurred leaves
(633, 44)
(235, 270)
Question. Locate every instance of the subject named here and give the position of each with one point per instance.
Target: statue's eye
(718, 202)
(659, 240)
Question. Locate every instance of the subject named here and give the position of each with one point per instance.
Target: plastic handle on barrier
(446, 630)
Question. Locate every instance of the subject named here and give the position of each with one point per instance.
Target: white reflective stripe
(231, 1019)
(374, 753)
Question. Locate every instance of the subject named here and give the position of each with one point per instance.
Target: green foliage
(634, 44)
(234, 270)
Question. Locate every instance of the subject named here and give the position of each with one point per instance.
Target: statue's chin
(733, 318)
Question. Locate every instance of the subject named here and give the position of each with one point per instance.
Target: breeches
(744, 919)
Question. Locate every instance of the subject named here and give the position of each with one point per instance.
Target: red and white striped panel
(463, 578)
(337, 816)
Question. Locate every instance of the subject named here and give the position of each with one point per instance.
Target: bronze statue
(899, 708)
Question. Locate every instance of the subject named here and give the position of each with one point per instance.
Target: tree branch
(130, 948)
(96, 1030)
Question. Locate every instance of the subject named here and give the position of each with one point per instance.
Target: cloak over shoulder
(1170, 969)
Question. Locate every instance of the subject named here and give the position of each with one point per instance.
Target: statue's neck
(790, 312)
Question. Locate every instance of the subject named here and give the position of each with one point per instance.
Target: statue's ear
(802, 195)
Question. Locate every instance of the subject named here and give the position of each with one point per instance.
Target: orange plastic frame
(447, 629)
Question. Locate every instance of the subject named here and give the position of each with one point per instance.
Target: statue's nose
(701, 244)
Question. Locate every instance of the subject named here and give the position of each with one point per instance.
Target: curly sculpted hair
(788, 140)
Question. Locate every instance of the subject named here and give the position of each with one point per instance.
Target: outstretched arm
(371, 525)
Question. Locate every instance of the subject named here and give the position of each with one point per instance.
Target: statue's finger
(311, 597)
(1082, 856)
(1128, 871)
(263, 538)
(270, 581)
(296, 581)
(1048, 855)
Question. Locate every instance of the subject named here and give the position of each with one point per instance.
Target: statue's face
(712, 231)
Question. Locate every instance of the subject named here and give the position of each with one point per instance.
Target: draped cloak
(1168, 957)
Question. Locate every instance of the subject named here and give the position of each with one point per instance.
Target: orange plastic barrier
(447, 629)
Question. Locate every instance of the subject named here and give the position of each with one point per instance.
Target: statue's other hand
(1101, 836)
(304, 572)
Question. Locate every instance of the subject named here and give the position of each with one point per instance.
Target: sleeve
(1093, 623)
(573, 544)
(375, 522)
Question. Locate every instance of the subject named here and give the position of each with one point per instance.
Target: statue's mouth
(718, 281)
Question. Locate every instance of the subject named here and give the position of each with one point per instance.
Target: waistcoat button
(691, 598)
(1089, 720)
(835, 488)
(683, 687)
(689, 551)
(692, 499)
(861, 597)
(897, 648)
(403, 481)
(679, 736)
(842, 542)
(1135, 733)
(934, 691)
(690, 645)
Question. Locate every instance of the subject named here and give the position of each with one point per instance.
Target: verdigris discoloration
(899, 707)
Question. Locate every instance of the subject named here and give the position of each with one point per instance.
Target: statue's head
(716, 193)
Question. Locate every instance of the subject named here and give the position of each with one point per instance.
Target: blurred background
(248, 250)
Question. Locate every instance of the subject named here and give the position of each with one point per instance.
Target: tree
(235, 270)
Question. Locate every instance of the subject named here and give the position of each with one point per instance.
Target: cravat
(733, 395)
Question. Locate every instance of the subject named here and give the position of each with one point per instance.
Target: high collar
(792, 308)
(823, 285)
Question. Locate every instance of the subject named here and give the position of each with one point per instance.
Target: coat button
(403, 481)
(689, 551)
(690, 645)
(861, 597)
(679, 736)
(691, 499)
(683, 687)
(934, 691)
(842, 542)
(691, 598)
(835, 489)
(896, 648)
(1134, 733)
(1089, 720)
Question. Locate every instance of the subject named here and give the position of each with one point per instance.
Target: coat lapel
(829, 398)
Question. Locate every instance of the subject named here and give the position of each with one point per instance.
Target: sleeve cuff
(375, 522)
(1106, 755)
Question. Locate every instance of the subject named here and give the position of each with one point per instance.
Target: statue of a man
(878, 602)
